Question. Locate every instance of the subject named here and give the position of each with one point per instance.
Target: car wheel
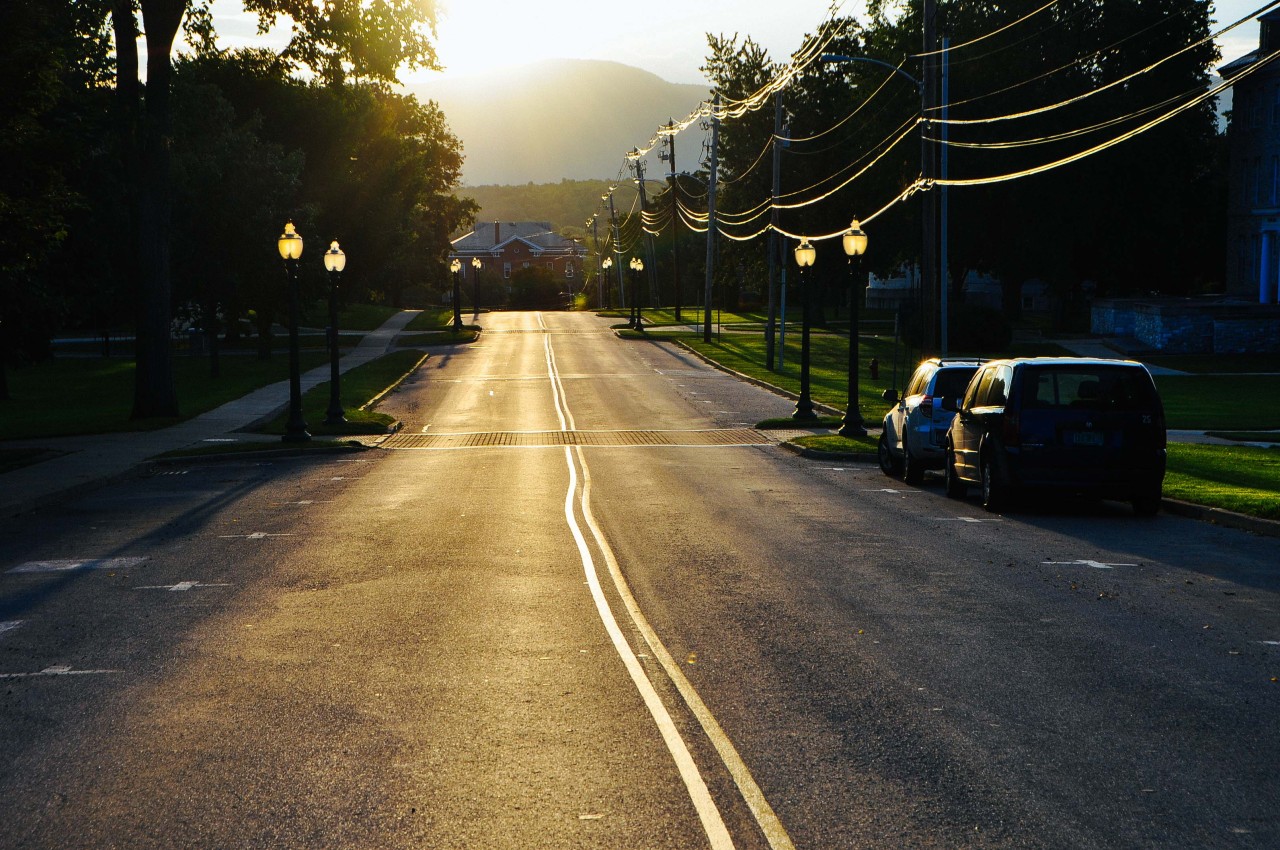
(956, 488)
(995, 494)
(912, 471)
(1146, 502)
(889, 464)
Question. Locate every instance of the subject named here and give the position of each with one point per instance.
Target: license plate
(1087, 438)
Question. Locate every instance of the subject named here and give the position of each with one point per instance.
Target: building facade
(1253, 139)
(504, 247)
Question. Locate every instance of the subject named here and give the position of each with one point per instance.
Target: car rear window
(951, 383)
(1094, 387)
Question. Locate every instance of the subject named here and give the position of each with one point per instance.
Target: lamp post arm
(836, 57)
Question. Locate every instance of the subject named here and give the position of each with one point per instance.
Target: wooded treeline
(137, 205)
(1147, 215)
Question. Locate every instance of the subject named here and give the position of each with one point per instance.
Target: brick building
(506, 246)
(1253, 139)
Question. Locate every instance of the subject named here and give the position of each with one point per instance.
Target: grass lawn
(92, 396)
(1201, 363)
(1245, 479)
(1221, 402)
(434, 320)
(357, 387)
(356, 317)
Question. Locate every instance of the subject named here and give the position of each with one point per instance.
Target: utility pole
(775, 239)
(928, 171)
(670, 156)
(711, 218)
(637, 160)
(942, 199)
(595, 237)
(617, 249)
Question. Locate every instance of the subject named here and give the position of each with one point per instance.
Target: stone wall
(1185, 326)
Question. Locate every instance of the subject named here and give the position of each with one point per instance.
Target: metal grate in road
(527, 439)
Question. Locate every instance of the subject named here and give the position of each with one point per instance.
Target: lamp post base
(804, 411)
(852, 429)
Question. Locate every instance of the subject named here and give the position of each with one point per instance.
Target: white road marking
(967, 519)
(56, 670)
(9, 625)
(890, 490)
(74, 564)
(180, 586)
(1097, 565)
(257, 535)
(1264, 642)
(708, 813)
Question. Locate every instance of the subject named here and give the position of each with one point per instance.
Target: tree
(53, 55)
(338, 39)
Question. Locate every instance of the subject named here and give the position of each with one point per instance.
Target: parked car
(915, 427)
(1070, 424)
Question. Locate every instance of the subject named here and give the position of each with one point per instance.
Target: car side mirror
(890, 395)
(951, 404)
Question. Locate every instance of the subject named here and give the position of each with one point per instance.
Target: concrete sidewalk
(93, 460)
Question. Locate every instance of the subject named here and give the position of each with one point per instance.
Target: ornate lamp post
(855, 245)
(290, 247)
(456, 268)
(475, 286)
(637, 266)
(805, 255)
(334, 262)
(606, 264)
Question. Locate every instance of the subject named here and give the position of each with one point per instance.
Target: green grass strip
(91, 395)
(1245, 479)
(1221, 402)
(356, 388)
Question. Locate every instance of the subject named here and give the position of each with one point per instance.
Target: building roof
(491, 236)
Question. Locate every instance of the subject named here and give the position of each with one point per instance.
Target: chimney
(497, 232)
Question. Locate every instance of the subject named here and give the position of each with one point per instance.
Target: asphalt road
(578, 602)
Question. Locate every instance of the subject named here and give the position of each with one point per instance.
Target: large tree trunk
(147, 143)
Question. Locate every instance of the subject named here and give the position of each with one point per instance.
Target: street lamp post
(805, 255)
(606, 264)
(475, 286)
(334, 262)
(456, 268)
(290, 247)
(855, 245)
(637, 266)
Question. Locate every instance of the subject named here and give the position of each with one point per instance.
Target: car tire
(1146, 502)
(995, 493)
(912, 470)
(956, 488)
(889, 464)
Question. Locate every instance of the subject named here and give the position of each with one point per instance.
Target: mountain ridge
(556, 119)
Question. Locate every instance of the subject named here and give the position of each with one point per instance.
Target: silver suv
(915, 428)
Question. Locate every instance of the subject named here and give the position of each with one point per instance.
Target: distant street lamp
(637, 266)
(456, 268)
(606, 264)
(805, 255)
(334, 262)
(290, 247)
(475, 286)
(855, 245)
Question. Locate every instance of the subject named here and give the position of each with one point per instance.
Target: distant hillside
(568, 203)
(564, 118)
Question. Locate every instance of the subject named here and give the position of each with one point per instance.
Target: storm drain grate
(525, 439)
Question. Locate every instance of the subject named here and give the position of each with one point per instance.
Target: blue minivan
(1064, 424)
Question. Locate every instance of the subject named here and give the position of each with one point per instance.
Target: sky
(488, 35)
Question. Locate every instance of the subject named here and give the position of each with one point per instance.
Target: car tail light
(926, 406)
(1011, 429)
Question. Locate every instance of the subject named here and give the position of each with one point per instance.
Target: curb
(1223, 517)
(343, 448)
(819, 454)
(373, 402)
